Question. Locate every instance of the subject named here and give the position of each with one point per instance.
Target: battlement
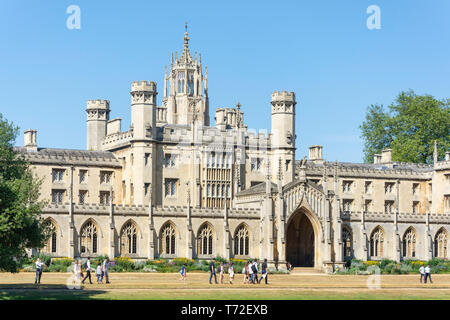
(283, 96)
(97, 104)
(149, 86)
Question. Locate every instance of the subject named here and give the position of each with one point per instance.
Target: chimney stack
(315, 154)
(386, 156)
(29, 137)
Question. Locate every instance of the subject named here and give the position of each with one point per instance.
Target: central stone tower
(186, 89)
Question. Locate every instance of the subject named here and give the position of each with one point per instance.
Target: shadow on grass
(26, 291)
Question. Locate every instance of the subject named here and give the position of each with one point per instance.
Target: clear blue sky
(320, 49)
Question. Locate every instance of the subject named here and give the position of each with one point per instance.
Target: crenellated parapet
(70, 157)
(143, 92)
(397, 171)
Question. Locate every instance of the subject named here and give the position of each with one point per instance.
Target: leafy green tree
(409, 127)
(21, 226)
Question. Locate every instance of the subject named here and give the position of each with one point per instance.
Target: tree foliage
(21, 226)
(409, 127)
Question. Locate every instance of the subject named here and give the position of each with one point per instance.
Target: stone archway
(300, 244)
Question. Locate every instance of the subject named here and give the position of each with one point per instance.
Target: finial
(186, 38)
(238, 105)
(185, 26)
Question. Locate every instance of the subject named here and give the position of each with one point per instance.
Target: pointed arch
(441, 243)
(377, 242)
(347, 242)
(409, 243)
(242, 240)
(303, 234)
(205, 239)
(89, 234)
(51, 244)
(167, 239)
(129, 238)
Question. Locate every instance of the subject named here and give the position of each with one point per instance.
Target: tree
(409, 128)
(21, 226)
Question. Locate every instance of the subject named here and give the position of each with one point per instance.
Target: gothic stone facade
(174, 186)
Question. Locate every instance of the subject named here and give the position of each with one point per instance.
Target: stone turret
(283, 132)
(143, 109)
(97, 112)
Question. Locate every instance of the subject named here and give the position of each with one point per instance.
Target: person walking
(288, 266)
(105, 270)
(245, 272)
(79, 272)
(88, 271)
(212, 270)
(264, 271)
(99, 273)
(428, 273)
(38, 271)
(183, 272)
(422, 273)
(231, 272)
(255, 271)
(250, 272)
(221, 270)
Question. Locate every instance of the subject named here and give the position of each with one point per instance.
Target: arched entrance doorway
(300, 241)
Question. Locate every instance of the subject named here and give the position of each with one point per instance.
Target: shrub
(123, 264)
(220, 259)
(181, 261)
(386, 262)
(149, 268)
(57, 268)
(45, 258)
(65, 261)
(436, 262)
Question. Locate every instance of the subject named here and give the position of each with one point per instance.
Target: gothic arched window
(128, 239)
(409, 243)
(167, 239)
(205, 240)
(347, 242)
(377, 243)
(88, 241)
(440, 244)
(241, 241)
(50, 245)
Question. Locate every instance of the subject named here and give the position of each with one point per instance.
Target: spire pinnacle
(186, 37)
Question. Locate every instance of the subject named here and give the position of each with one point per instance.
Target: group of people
(250, 272)
(77, 269)
(425, 273)
(100, 271)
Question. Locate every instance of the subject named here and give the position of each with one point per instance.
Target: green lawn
(139, 286)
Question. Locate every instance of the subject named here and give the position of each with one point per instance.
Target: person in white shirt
(38, 271)
(422, 273)
(99, 273)
(231, 272)
(428, 273)
(250, 272)
(88, 271)
(105, 270)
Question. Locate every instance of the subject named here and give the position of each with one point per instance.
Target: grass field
(138, 286)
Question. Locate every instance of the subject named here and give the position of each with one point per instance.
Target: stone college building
(173, 185)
